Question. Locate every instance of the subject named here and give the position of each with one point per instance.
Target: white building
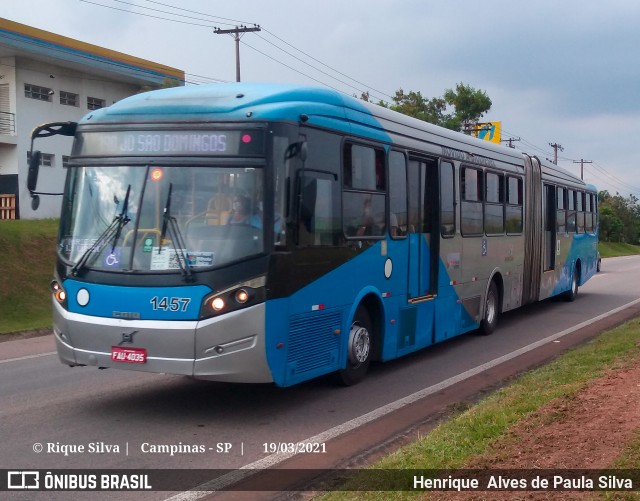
(46, 77)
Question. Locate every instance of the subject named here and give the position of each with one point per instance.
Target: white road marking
(27, 357)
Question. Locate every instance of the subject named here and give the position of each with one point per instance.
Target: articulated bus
(267, 233)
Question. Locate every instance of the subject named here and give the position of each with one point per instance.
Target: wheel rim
(490, 313)
(359, 344)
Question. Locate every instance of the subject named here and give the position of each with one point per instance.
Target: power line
(326, 65)
(231, 23)
(359, 89)
(190, 22)
(279, 48)
(146, 15)
(291, 68)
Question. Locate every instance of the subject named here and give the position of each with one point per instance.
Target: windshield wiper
(113, 230)
(169, 222)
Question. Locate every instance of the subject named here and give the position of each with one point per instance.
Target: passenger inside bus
(241, 212)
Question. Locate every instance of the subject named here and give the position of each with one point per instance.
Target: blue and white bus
(266, 233)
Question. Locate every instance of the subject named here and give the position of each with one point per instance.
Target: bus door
(422, 230)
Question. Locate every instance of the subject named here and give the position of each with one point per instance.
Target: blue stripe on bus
(144, 303)
(314, 313)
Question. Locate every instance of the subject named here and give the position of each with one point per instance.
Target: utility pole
(556, 147)
(582, 162)
(237, 33)
(511, 140)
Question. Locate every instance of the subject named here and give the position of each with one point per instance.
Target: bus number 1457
(170, 303)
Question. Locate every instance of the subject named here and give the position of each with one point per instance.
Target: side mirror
(299, 149)
(34, 169)
(35, 202)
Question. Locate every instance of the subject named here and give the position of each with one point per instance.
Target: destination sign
(169, 143)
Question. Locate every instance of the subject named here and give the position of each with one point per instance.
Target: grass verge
(26, 268)
(612, 249)
(456, 442)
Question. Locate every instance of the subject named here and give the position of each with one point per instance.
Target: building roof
(20, 40)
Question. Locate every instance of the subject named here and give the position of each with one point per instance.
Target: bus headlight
(241, 296)
(59, 293)
(234, 298)
(217, 304)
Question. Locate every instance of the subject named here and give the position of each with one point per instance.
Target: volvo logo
(127, 337)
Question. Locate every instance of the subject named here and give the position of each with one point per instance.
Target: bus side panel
(307, 334)
(570, 249)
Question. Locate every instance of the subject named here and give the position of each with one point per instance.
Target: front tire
(491, 311)
(359, 349)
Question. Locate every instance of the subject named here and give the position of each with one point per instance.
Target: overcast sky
(565, 72)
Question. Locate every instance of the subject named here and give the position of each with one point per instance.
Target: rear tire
(491, 311)
(572, 293)
(359, 349)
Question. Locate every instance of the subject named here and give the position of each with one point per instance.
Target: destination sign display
(169, 143)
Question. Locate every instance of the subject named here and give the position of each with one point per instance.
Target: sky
(564, 72)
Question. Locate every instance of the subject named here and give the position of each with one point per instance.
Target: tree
(619, 218)
(415, 105)
(469, 106)
(456, 110)
(611, 227)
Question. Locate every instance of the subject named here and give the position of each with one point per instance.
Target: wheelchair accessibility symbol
(112, 259)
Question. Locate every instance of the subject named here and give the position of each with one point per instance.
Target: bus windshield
(161, 218)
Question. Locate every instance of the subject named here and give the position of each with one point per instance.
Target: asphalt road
(53, 416)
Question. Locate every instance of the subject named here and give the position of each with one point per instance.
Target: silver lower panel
(226, 348)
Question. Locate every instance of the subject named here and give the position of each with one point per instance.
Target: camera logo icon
(23, 480)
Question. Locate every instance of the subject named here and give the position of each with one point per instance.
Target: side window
(318, 190)
(588, 216)
(447, 200)
(471, 187)
(561, 217)
(397, 194)
(364, 195)
(514, 205)
(571, 211)
(319, 209)
(494, 206)
(580, 212)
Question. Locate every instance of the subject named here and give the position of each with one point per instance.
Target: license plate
(128, 355)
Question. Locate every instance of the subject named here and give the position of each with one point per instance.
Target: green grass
(612, 249)
(26, 269)
(469, 435)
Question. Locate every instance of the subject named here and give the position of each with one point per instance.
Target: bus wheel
(491, 311)
(572, 293)
(358, 350)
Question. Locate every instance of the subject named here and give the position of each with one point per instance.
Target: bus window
(397, 194)
(364, 198)
(571, 211)
(319, 210)
(588, 216)
(471, 183)
(494, 207)
(580, 212)
(561, 218)
(514, 205)
(447, 200)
